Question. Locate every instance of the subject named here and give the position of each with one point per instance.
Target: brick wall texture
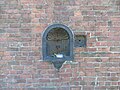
(95, 67)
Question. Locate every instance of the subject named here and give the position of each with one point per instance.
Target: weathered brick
(96, 66)
(12, 49)
(14, 63)
(101, 7)
(115, 49)
(113, 78)
(21, 81)
(18, 67)
(89, 18)
(44, 80)
(88, 88)
(15, 26)
(57, 2)
(63, 88)
(2, 31)
(26, 63)
(1, 53)
(21, 58)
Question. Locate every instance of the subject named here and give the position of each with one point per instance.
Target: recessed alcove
(57, 44)
(80, 41)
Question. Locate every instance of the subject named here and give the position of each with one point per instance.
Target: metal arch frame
(44, 35)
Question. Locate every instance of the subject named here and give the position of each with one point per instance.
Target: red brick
(21, 81)
(65, 75)
(25, 76)
(18, 67)
(1, 53)
(101, 7)
(44, 80)
(113, 78)
(75, 88)
(57, 2)
(22, 24)
(88, 88)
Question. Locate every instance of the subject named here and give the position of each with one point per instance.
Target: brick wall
(96, 67)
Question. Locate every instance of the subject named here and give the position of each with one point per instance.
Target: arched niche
(57, 44)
